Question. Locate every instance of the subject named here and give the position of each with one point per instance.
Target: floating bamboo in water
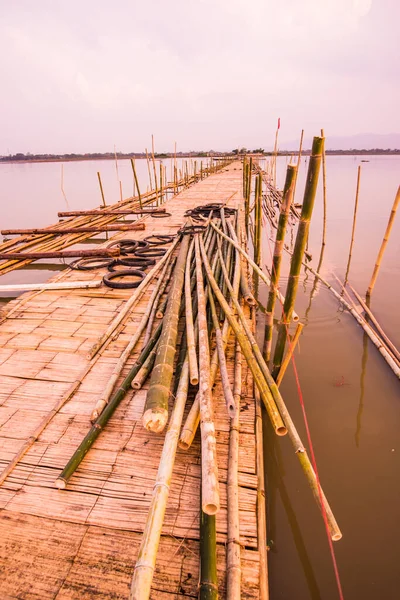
(145, 564)
(300, 244)
(66, 230)
(233, 569)
(384, 243)
(193, 368)
(354, 225)
(289, 353)
(155, 414)
(209, 468)
(277, 258)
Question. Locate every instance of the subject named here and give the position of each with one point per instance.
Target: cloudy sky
(81, 76)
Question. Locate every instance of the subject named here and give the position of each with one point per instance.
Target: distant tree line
(21, 157)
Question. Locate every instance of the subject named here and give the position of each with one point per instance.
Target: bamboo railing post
(287, 198)
(384, 244)
(300, 244)
(298, 164)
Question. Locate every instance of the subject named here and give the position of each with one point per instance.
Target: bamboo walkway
(82, 543)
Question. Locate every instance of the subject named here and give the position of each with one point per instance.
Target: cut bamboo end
(250, 300)
(155, 420)
(210, 508)
(194, 380)
(136, 385)
(186, 439)
(94, 416)
(281, 431)
(336, 536)
(60, 483)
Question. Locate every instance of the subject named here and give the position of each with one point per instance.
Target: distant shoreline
(80, 158)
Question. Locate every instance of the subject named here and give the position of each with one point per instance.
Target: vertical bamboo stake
(301, 240)
(298, 163)
(101, 189)
(148, 168)
(288, 193)
(354, 226)
(384, 243)
(209, 467)
(154, 169)
(116, 168)
(258, 223)
(137, 182)
(324, 189)
(161, 182)
(62, 185)
(276, 149)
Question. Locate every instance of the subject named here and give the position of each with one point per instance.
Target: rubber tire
(120, 285)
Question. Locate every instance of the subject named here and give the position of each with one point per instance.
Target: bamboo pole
(245, 344)
(278, 403)
(323, 189)
(153, 314)
(101, 422)
(354, 225)
(209, 467)
(233, 240)
(61, 254)
(379, 329)
(132, 300)
(106, 394)
(208, 587)
(261, 502)
(289, 353)
(233, 566)
(277, 257)
(68, 230)
(298, 164)
(193, 367)
(136, 182)
(101, 189)
(384, 244)
(276, 150)
(146, 561)
(155, 413)
(300, 244)
(108, 211)
(64, 285)
(145, 370)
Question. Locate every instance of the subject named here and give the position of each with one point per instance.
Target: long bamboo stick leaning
(290, 427)
(145, 564)
(289, 353)
(384, 243)
(234, 241)
(226, 388)
(233, 568)
(132, 300)
(155, 413)
(354, 225)
(277, 257)
(247, 350)
(105, 396)
(209, 468)
(193, 367)
(298, 253)
(96, 429)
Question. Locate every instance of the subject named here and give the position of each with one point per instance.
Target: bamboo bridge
(83, 541)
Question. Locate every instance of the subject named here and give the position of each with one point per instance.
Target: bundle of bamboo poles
(202, 276)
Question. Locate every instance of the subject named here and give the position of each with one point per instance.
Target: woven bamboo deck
(82, 543)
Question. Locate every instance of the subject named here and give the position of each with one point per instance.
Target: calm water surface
(351, 396)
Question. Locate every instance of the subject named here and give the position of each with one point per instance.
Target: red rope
(313, 459)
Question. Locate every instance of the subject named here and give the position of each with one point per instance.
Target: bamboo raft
(83, 542)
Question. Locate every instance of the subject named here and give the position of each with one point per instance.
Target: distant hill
(366, 141)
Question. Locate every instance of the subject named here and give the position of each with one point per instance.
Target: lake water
(351, 396)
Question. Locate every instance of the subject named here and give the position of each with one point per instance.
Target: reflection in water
(360, 411)
(274, 473)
